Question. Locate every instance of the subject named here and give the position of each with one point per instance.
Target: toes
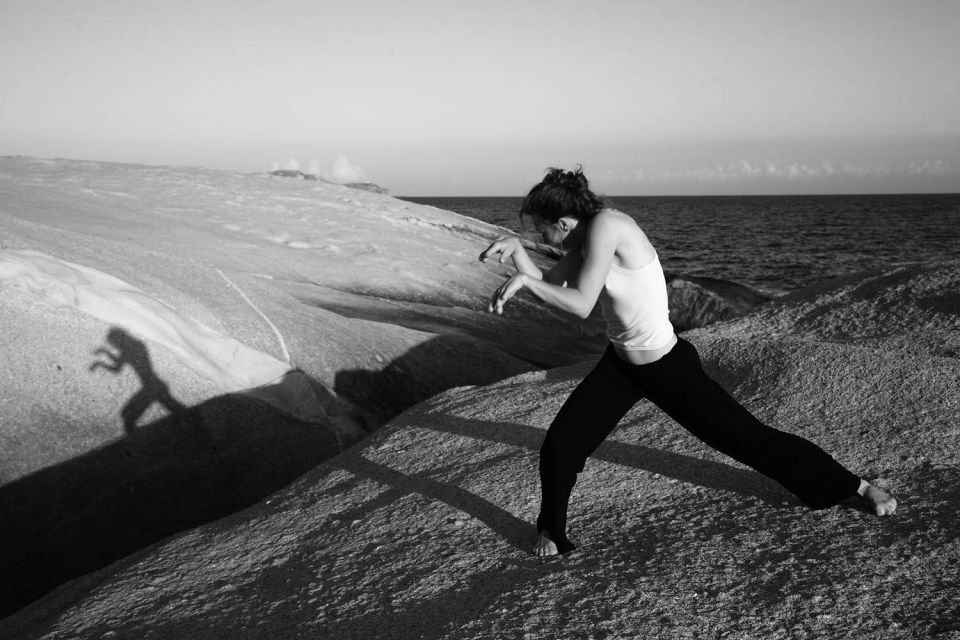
(886, 508)
(882, 503)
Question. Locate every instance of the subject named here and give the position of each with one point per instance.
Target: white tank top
(634, 303)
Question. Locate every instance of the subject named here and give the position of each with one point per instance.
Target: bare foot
(879, 501)
(545, 546)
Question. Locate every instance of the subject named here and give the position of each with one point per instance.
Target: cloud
(292, 165)
(935, 168)
(747, 169)
(795, 172)
(343, 171)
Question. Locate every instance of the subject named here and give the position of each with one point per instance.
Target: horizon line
(515, 196)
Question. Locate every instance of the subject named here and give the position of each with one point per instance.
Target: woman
(609, 259)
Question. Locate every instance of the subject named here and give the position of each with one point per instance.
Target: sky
(444, 97)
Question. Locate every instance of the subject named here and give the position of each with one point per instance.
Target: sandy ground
(423, 529)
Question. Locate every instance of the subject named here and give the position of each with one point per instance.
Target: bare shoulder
(612, 221)
(606, 229)
(617, 222)
(614, 214)
(634, 249)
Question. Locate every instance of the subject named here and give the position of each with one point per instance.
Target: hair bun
(561, 193)
(573, 180)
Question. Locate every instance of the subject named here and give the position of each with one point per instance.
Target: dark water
(773, 243)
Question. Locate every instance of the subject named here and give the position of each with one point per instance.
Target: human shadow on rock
(195, 466)
(123, 350)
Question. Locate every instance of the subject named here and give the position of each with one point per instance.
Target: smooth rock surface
(424, 529)
(126, 290)
(178, 343)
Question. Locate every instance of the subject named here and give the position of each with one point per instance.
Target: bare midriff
(645, 356)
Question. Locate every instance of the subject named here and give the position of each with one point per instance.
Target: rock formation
(181, 344)
(157, 316)
(423, 530)
(368, 186)
(363, 186)
(699, 302)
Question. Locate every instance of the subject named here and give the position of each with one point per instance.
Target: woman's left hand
(507, 290)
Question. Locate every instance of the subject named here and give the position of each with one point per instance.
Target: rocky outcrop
(424, 529)
(368, 186)
(699, 302)
(290, 173)
(127, 290)
(363, 186)
(150, 311)
(914, 308)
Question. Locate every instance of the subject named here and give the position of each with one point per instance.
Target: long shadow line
(507, 526)
(513, 530)
(697, 471)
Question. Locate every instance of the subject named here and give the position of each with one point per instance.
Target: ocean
(773, 243)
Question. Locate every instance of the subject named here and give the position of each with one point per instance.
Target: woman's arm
(583, 288)
(510, 247)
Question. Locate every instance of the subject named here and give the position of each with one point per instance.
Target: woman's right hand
(506, 246)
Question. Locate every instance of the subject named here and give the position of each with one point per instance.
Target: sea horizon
(773, 243)
(704, 195)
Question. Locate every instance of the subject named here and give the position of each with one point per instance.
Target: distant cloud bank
(795, 171)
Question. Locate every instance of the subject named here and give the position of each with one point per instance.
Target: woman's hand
(504, 292)
(511, 247)
(506, 246)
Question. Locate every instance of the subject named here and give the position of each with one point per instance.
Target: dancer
(609, 259)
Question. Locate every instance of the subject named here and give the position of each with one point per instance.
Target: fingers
(495, 247)
(503, 293)
(503, 246)
(496, 303)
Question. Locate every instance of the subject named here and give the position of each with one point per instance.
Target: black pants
(677, 384)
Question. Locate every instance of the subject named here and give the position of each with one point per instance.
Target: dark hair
(561, 193)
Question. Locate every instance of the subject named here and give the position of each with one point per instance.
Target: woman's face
(553, 233)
